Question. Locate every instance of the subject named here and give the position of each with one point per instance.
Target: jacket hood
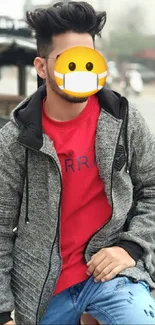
(28, 114)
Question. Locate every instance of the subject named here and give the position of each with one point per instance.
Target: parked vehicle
(132, 83)
(147, 74)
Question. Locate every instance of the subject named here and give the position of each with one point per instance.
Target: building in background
(113, 8)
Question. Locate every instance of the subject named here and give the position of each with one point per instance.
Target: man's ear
(40, 66)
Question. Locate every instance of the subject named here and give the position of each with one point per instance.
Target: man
(77, 196)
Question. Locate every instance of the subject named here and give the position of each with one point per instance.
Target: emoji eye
(72, 66)
(89, 66)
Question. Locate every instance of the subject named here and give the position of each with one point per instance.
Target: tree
(132, 20)
(128, 35)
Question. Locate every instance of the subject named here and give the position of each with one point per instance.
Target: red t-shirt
(84, 205)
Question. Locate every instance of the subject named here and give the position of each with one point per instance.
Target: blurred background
(127, 43)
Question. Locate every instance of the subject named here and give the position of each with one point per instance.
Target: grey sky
(113, 6)
(8, 9)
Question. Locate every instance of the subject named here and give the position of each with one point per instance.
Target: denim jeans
(116, 302)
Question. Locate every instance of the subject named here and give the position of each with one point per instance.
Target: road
(146, 105)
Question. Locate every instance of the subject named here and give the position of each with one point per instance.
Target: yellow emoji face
(80, 71)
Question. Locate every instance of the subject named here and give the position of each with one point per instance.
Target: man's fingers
(113, 273)
(94, 256)
(95, 262)
(105, 271)
(101, 267)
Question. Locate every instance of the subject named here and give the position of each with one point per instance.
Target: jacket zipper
(57, 232)
(111, 187)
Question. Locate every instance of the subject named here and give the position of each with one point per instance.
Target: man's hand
(109, 262)
(11, 322)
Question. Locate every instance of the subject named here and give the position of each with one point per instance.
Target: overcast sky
(10, 8)
(14, 9)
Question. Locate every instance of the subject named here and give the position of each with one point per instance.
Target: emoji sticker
(80, 71)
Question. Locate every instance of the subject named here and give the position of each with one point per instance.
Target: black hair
(75, 16)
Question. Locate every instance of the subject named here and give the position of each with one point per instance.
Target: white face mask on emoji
(80, 81)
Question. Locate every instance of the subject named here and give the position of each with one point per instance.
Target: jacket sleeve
(5, 318)
(141, 228)
(11, 188)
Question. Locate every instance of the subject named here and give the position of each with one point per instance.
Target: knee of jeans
(148, 308)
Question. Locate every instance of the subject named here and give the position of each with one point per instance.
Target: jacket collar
(28, 114)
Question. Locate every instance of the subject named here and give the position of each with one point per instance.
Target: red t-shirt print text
(75, 163)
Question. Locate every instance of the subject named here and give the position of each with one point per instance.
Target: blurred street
(144, 102)
(146, 105)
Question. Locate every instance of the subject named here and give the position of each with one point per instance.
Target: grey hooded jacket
(30, 201)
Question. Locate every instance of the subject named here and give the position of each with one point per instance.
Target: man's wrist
(132, 248)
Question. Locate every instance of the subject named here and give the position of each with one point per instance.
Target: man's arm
(141, 229)
(11, 188)
(138, 239)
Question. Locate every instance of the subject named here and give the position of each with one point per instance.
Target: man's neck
(59, 109)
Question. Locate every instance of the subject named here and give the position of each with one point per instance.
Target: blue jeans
(117, 302)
